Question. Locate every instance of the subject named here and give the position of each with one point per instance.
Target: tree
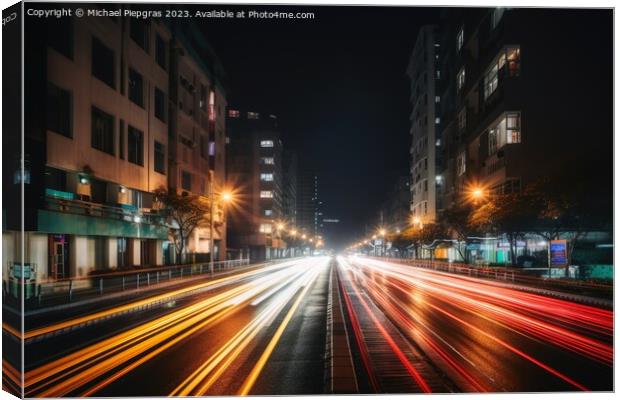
(404, 239)
(185, 213)
(510, 214)
(457, 224)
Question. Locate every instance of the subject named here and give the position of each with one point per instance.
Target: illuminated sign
(557, 253)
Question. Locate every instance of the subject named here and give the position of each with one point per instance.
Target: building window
(513, 127)
(266, 143)
(233, 113)
(509, 55)
(253, 115)
(437, 121)
(160, 158)
(496, 16)
(462, 119)
(102, 63)
(438, 74)
(460, 39)
(268, 213)
(139, 31)
(59, 110)
(211, 105)
(437, 99)
(506, 131)
(266, 177)
(160, 51)
(460, 79)
(60, 35)
(102, 131)
(265, 228)
(121, 139)
(267, 160)
(160, 105)
(425, 185)
(136, 87)
(186, 180)
(135, 146)
(266, 194)
(461, 163)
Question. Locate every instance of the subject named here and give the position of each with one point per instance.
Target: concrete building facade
(426, 179)
(97, 144)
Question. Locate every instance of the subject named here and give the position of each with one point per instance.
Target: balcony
(62, 213)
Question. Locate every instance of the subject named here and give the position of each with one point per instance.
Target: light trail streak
(126, 351)
(136, 304)
(395, 349)
(549, 321)
(250, 380)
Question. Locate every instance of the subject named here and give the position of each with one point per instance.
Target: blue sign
(558, 253)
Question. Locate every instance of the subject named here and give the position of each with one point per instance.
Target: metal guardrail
(66, 290)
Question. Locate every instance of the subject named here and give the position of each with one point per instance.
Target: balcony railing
(61, 202)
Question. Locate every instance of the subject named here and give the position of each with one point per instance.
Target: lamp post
(226, 197)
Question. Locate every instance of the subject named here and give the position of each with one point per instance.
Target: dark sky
(338, 86)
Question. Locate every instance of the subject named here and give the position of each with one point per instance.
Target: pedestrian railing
(99, 284)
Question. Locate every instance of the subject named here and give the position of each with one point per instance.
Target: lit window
(233, 113)
(266, 177)
(496, 16)
(437, 121)
(253, 115)
(266, 143)
(510, 56)
(506, 131)
(437, 99)
(462, 119)
(266, 194)
(438, 74)
(267, 160)
(268, 213)
(460, 39)
(461, 163)
(265, 228)
(211, 105)
(460, 79)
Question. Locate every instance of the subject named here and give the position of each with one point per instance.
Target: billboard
(558, 253)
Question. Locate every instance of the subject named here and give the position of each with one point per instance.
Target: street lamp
(226, 197)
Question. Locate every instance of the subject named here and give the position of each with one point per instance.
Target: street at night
(264, 332)
(296, 199)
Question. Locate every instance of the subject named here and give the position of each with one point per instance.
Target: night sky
(338, 86)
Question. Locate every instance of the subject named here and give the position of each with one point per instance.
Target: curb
(340, 375)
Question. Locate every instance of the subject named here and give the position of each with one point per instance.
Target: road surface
(263, 332)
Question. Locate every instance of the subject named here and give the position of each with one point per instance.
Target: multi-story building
(289, 199)
(197, 126)
(254, 167)
(99, 139)
(426, 179)
(508, 116)
(308, 205)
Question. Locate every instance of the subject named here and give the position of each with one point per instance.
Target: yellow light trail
(120, 309)
(258, 367)
(69, 373)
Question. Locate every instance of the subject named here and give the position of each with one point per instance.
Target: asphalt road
(263, 332)
(257, 333)
(489, 338)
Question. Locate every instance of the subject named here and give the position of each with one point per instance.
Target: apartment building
(254, 167)
(426, 179)
(100, 137)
